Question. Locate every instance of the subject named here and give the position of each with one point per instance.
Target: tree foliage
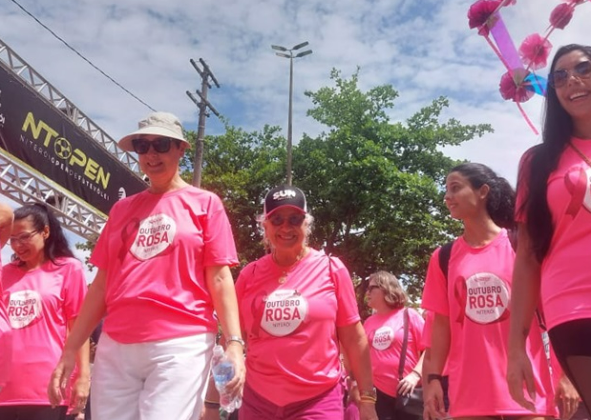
(375, 187)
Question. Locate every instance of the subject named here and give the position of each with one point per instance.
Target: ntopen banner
(41, 136)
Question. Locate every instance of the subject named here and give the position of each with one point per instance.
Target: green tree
(375, 187)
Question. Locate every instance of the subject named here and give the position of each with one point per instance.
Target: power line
(81, 56)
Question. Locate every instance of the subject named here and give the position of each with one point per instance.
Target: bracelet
(236, 339)
(433, 377)
(418, 373)
(367, 399)
(211, 404)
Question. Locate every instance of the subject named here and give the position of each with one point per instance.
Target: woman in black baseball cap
(296, 305)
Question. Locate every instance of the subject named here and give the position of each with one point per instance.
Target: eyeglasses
(558, 78)
(23, 238)
(370, 288)
(160, 145)
(293, 220)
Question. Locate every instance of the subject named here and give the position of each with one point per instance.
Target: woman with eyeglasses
(554, 219)
(163, 263)
(470, 300)
(6, 217)
(385, 333)
(296, 304)
(43, 290)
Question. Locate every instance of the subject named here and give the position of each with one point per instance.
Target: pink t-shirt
(155, 248)
(565, 282)
(5, 339)
(293, 350)
(39, 303)
(385, 333)
(476, 300)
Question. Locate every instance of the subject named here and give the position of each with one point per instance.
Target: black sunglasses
(160, 145)
(558, 78)
(293, 220)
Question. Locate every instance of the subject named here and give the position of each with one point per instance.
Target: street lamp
(281, 52)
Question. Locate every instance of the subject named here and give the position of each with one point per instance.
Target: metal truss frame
(34, 80)
(26, 186)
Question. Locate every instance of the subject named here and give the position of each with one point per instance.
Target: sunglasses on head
(293, 220)
(160, 145)
(558, 78)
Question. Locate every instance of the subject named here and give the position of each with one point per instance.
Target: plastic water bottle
(223, 372)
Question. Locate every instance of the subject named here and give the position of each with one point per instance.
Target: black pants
(32, 412)
(386, 409)
(571, 343)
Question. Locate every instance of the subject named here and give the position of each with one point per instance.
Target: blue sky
(423, 48)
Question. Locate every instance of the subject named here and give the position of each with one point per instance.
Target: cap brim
(125, 142)
(286, 206)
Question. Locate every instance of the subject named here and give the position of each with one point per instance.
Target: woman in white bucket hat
(163, 260)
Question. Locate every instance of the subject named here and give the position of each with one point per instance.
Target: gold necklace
(283, 277)
(581, 154)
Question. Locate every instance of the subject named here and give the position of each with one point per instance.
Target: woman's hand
(56, 390)
(569, 396)
(519, 370)
(408, 383)
(434, 407)
(80, 392)
(367, 411)
(235, 353)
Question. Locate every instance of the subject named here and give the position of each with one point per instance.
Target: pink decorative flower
(512, 86)
(481, 15)
(534, 51)
(509, 2)
(561, 15)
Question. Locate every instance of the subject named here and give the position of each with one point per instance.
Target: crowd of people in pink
(502, 331)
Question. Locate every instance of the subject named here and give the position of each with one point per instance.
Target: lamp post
(289, 53)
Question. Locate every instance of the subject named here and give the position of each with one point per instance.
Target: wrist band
(418, 373)
(433, 377)
(366, 399)
(211, 404)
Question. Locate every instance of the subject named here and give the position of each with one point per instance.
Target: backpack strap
(444, 256)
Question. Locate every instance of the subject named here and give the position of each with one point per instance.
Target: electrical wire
(81, 56)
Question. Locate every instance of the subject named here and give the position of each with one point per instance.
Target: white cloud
(424, 49)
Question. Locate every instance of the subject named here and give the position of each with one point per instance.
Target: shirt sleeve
(219, 245)
(435, 297)
(74, 290)
(347, 312)
(427, 330)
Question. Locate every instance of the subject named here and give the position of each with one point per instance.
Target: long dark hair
(543, 159)
(500, 201)
(56, 244)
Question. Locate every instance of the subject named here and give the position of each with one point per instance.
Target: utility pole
(202, 104)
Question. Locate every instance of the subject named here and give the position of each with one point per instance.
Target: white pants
(158, 380)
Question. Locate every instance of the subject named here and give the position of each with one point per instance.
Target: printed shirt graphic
(291, 327)
(39, 303)
(385, 334)
(476, 299)
(155, 249)
(566, 278)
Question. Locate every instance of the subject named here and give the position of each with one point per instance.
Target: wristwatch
(371, 393)
(434, 376)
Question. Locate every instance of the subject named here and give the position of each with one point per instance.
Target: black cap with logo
(284, 195)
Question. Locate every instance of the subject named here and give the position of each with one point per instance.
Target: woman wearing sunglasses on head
(386, 331)
(163, 260)
(296, 304)
(44, 287)
(554, 218)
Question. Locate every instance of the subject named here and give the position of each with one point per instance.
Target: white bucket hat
(156, 124)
